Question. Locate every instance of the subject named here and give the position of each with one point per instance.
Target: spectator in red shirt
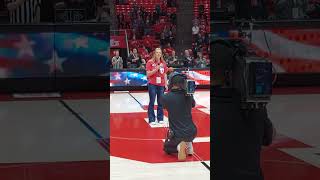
(157, 83)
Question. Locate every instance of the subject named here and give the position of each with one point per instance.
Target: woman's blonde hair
(154, 55)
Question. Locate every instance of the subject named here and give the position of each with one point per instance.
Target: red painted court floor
(294, 155)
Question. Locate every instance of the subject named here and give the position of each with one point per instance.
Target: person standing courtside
(157, 83)
(24, 11)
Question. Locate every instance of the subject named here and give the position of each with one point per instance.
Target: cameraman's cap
(177, 78)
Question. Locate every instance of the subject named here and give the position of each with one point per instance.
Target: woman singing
(157, 83)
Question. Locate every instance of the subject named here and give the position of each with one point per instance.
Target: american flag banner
(50, 54)
(139, 78)
(129, 78)
(290, 50)
(201, 76)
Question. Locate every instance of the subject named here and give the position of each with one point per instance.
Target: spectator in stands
(171, 38)
(174, 30)
(127, 22)
(168, 48)
(196, 21)
(202, 28)
(167, 34)
(121, 21)
(142, 22)
(200, 32)
(117, 62)
(156, 14)
(188, 59)
(135, 60)
(173, 18)
(201, 9)
(147, 26)
(165, 55)
(195, 30)
(144, 53)
(135, 7)
(201, 61)
(199, 39)
(162, 39)
(158, 10)
(173, 60)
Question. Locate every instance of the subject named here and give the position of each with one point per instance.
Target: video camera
(249, 75)
(188, 85)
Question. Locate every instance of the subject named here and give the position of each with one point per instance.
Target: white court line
(196, 140)
(157, 125)
(117, 92)
(205, 110)
(308, 155)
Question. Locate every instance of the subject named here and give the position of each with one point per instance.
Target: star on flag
(25, 47)
(55, 63)
(127, 81)
(118, 76)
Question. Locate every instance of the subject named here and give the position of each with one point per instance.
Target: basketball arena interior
(70, 109)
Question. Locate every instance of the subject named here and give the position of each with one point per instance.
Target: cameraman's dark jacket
(237, 137)
(179, 108)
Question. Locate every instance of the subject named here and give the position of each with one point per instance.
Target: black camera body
(252, 78)
(249, 75)
(189, 85)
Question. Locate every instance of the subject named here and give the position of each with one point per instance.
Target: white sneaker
(182, 151)
(153, 123)
(189, 148)
(161, 122)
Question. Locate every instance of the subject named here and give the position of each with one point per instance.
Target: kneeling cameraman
(238, 132)
(182, 129)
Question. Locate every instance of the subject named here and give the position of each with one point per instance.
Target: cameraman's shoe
(189, 148)
(182, 147)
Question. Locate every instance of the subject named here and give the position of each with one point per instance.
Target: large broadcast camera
(249, 75)
(189, 85)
